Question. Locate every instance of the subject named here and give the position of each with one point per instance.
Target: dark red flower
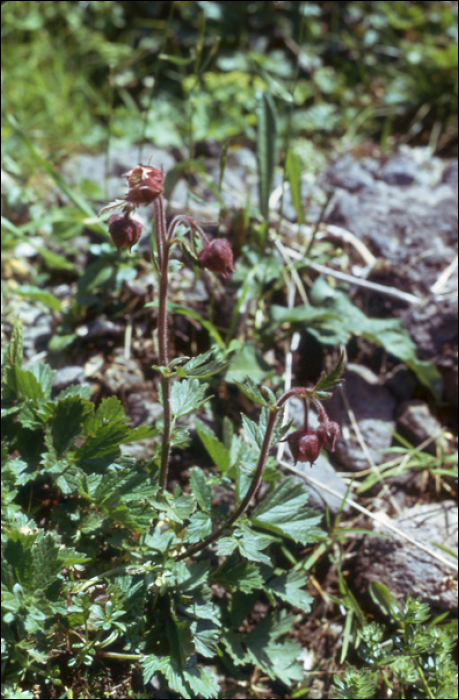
(217, 256)
(328, 431)
(125, 232)
(304, 445)
(145, 184)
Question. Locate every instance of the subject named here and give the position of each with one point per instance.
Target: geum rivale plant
(281, 514)
(101, 563)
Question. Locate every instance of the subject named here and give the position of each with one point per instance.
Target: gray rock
(373, 406)
(349, 174)
(417, 424)
(68, 375)
(450, 174)
(413, 228)
(399, 170)
(142, 408)
(123, 375)
(404, 568)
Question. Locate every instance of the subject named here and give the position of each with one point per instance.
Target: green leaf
(284, 512)
(34, 383)
(105, 444)
(205, 638)
(250, 389)
(236, 575)
(189, 681)
(247, 362)
(331, 380)
(277, 659)
(256, 433)
(289, 588)
(389, 333)
(303, 314)
(245, 469)
(232, 643)
(355, 683)
(266, 149)
(382, 596)
(14, 352)
(110, 411)
(79, 201)
(67, 422)
(53, 260)
(46, 564)
(187, 396)
(199, 527)
(219, 453)
(201, 366)
(201, 489)
(37, 294)
(249, 543)
(180, 640)
(293, 169)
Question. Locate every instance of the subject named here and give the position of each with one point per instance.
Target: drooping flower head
(327, 430)
(217, 256)
(146, 184)
(125, 232)
(304, 446)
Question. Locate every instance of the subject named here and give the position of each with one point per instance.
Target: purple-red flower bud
(125, 232)
(145, 184)
(304, 446)
(217, 256)
(328, 431)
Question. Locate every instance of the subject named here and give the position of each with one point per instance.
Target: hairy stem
(163, 258)
(253, 488)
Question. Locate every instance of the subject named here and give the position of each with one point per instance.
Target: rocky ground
(403, 208)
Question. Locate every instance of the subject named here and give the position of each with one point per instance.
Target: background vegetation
(92, 77)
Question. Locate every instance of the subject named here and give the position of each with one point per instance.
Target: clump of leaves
(409, 659)
(101, 561)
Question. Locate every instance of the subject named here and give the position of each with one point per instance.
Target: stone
(416, 423)
(66, 376)
(123, 375)
(403, 567)
(373, 406)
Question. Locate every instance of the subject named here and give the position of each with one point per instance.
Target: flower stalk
(146, 187)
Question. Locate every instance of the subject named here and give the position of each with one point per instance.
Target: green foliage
(361, 69)
(413, 659)
(333, 319)
(266, 149)
(104, 578)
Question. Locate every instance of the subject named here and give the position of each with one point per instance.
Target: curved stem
(160, 229)
(187, 220)
(253, 488)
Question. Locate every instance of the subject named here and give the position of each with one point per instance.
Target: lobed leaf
(284, 512)
(187, 396)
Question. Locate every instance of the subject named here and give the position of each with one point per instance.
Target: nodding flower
(145, 184)
(217, 256)
(125, 232)
(327, 431)
(304, 445)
